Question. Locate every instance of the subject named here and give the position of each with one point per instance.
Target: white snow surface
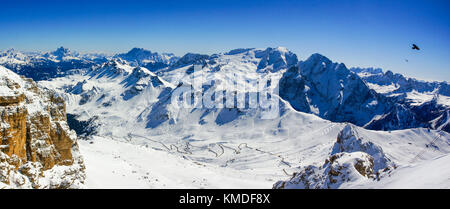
(429, 174)
(199, 148)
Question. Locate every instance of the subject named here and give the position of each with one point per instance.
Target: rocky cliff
(37, 148)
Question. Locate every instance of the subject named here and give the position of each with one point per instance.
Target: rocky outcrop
(349, 141)
(37, 148)
(352, 159)
(337, 169)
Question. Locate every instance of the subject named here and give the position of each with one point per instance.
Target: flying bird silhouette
(414, 46)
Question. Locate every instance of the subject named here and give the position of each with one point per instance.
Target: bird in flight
(414, 46)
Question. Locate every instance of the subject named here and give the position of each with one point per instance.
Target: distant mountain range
(125, 109)
(366, 97)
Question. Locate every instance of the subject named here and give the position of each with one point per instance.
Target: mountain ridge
(273, 60)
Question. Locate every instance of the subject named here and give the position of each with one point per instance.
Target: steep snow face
(275, 59)
(145, 58)
(331, 91)
(237, 68)
(141, 97)
(110, 95)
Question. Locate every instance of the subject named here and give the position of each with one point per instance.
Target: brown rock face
(13, 133)
(34, 135)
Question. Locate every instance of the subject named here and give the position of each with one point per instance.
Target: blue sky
(358, 33)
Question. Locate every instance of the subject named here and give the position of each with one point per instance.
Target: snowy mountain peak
(276, 59)
(113, 67)
(190, 59)
(137, 51)
(61, 52)
(141, 72)
(349, 140)
(316, 57)
(318, 63)
(137, 54)
(140, 56)
(12, 56)
(144, 109)
(353, 159)
(10, 52)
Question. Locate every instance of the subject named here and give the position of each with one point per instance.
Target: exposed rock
(337, 170)
(352, 159)
(35, 136)
(331, 91)
(349, 141)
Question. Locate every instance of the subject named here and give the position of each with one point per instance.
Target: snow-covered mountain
(116, 86)
(331, 91)
(390, 83)
(62, 61)
(12, 56)
(250, 117)
(429, 101)
(138, 136)
(358, 160)
(61, 54)
(145, 58)
(370, 70)
(44, 66)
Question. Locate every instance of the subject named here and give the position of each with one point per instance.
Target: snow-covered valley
(132, 133)
(119, 164)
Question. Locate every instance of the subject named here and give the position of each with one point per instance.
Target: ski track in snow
(194, 150)
(114, 164)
